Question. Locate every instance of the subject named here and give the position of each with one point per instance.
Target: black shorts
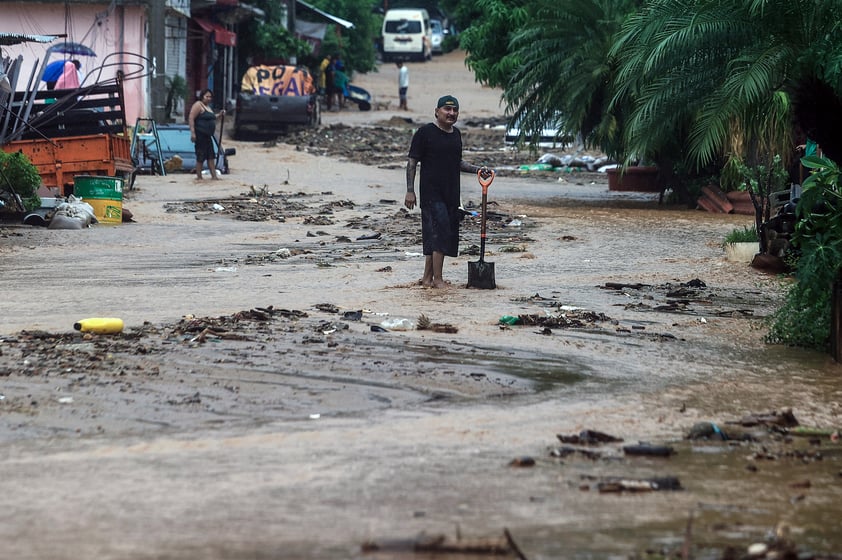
(440, 229)
(204, 148)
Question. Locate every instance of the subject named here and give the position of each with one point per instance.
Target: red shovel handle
(484, 183)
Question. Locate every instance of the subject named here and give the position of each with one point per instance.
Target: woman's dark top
(205, 123)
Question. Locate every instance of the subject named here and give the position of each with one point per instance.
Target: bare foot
(440, 284)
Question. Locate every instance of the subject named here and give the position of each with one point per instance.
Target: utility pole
(291, 14)
(291, 27)
(157, 41)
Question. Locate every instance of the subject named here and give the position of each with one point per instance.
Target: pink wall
(107, 33)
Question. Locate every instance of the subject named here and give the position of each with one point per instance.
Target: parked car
(551, 136)
(175, 140)
(437, 38)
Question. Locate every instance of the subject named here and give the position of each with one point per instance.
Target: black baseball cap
(448, 101)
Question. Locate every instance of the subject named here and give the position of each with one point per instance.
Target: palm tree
(718, 78)
(564, 73)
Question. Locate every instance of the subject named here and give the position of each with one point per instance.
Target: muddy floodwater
(284, 388)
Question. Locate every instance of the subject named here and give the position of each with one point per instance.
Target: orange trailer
(73, 132)
(60, 159)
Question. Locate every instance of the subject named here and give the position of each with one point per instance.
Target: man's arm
(411, 167)
(466, 167)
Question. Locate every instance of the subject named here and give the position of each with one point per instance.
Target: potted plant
(741, 244)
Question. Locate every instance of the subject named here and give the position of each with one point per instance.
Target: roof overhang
(330, 18)
(7, 39)
(221, 36)
(235, 14)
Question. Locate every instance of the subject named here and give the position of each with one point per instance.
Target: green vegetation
(696, 86)
(744, 234)
(804, 319)
(761, 181)
(271, 41)
(701, 88)
(18, 176)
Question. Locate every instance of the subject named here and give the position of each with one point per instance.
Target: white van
(407, 35)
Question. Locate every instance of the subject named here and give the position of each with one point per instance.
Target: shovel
(481, 273)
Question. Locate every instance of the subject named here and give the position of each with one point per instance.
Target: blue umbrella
(53, 71)
(76, 49)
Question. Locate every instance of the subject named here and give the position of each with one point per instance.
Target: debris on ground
(618, 484)
(440, 544)
(693, 297)
(648, 450)
(589, 437)
(385, 144)
(425, 324)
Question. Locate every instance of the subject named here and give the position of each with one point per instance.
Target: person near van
(327, 78)
(340, 81)
(437, 146)
(403, 84)
(202, 122)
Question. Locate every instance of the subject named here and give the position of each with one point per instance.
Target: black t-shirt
(439, 154)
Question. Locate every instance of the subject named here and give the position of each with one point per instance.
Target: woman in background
(202, 121)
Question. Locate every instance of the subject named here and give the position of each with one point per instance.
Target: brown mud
(261, 404)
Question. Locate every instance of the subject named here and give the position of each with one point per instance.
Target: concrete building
(150, 42)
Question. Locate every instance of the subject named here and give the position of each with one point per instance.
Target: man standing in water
(437, 146)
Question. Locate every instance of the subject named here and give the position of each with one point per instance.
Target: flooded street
(253, 408)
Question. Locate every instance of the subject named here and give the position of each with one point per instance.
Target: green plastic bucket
(104, 194)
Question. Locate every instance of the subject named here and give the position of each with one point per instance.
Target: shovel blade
(481, 275)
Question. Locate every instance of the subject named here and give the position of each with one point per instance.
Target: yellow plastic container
(99, 325)
(107, 211)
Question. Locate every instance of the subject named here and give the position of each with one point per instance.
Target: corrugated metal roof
(17, 38)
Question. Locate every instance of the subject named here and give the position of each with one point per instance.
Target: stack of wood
(732, 202)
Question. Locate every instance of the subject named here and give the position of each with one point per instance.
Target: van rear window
(403, 26)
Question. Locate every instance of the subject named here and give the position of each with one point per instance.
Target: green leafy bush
(804, 318)
(19, 176)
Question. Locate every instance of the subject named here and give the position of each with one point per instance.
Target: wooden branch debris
(439, 544)
(213, 333)
(425, 324)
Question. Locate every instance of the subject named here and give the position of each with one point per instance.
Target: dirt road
(253, 409)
